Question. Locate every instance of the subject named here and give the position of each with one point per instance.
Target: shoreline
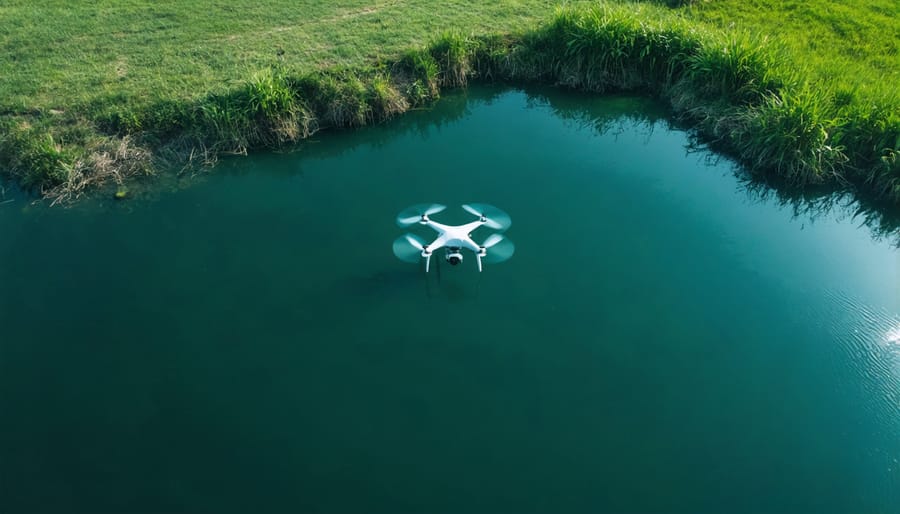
(732, 89)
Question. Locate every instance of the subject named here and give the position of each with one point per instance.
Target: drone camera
(454, 257)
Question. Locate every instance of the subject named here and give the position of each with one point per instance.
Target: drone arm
(471, 245)
(469, 227)
(429, 249)
(437, 243)
(440, 228)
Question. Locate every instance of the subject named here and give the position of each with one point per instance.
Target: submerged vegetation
(746, 95)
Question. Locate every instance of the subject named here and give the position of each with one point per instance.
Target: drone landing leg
(478, 283)
(427, 284)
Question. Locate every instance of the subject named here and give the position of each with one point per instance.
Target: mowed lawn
(59, 53)
(62, 54)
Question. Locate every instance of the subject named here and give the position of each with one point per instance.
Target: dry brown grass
(113, 161)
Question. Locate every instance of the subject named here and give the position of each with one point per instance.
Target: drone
(495, 248)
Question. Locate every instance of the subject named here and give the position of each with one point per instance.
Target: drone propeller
(497, 248)
(416, 213)
(409, 248)
(492, 216)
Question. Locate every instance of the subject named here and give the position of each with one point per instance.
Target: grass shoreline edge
(732, 88)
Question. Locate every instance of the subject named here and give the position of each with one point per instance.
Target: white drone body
(411, 248)
(454, 238)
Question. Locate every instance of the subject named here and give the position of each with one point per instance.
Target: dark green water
(662, 340)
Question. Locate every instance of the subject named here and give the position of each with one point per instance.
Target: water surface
(662, 340)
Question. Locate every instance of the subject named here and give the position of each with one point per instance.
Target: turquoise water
(662, 340)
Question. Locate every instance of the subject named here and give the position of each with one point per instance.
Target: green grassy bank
(101, 95)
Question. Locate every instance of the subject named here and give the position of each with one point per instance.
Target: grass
(851, 47)
(107, 91)
(175, 74)
(848, 53)
(58, 55)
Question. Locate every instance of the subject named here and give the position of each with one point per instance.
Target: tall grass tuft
(453, 54)
(742, 69)
(226, 124)
(791, 133)
(423, 83)
(269, 95)
(871, 133)
(272, 99)
(386, 101)
(34, 158)
(611, 48)
(338, 98)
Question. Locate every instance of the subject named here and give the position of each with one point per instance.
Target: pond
(664, 338)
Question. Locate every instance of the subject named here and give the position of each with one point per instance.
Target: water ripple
(866, 371)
